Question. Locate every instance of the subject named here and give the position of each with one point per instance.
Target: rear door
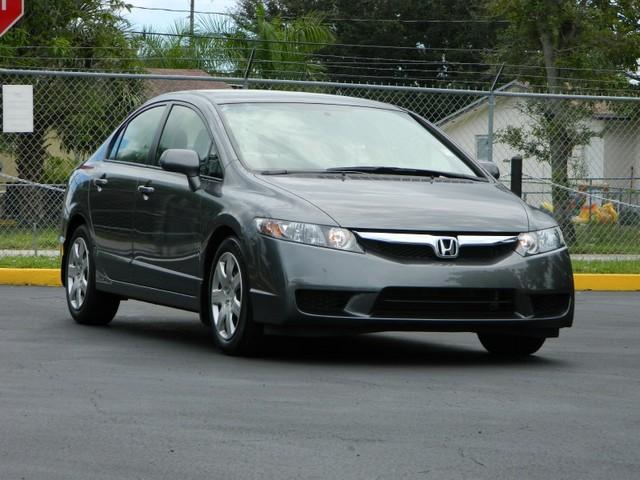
(168, 233)
(113, 193)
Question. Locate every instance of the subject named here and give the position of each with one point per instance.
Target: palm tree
(178, 49)
(281, 49)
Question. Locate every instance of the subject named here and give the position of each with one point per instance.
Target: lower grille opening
(445, 303)
(550, 304)
(322, 302)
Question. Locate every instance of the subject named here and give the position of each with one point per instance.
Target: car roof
(220, 97)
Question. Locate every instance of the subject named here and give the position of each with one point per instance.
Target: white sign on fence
(17, 108)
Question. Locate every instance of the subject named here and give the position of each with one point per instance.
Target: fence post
(492, 107)
(247, 71)
(35, 239)
(631, 185)
(516, 175)
(492, 104)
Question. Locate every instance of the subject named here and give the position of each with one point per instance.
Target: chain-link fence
(581, 154)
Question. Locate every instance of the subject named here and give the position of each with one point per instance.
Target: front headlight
(309, 234)
(541, 241)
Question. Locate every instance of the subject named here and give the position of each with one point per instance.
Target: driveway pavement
(149, 398)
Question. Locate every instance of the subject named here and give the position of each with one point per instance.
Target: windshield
(302, 136)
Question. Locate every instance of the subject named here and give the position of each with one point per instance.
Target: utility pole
(192, 18)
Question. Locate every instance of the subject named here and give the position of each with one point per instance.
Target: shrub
(57, 170)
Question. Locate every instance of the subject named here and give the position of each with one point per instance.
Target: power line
(355, 59)
(575, 79)
(205, 61)
(319, 44)
(331, 19)
(84, 47)
(388, 78)
(457, 75)
(127, 59)
(453, 85)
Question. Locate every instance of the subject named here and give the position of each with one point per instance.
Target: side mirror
(182, 161)
(492, 168)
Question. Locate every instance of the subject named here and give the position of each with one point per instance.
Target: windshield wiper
(403, 171)
(283, 171)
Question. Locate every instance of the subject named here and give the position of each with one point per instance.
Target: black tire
(510, 345)
(245, 338)
(95, 307)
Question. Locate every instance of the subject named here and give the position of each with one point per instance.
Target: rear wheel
(87, 305)
(510, 345)
(228, 305)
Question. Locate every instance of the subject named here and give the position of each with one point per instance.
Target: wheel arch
(221, 232)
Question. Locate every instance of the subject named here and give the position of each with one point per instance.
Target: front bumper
(365, 292)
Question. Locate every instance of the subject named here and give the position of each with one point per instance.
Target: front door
(168, 232)
(112, 195)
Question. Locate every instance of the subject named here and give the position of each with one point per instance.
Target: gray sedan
(294, 213)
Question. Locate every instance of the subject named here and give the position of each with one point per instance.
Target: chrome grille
(409, 248)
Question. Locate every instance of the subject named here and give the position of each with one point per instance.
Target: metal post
(192, 18)
(34, 239)
(492, 107)
(516, 175)
(631, 185)
(589, 190)
(247, 71)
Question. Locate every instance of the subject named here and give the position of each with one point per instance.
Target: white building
(610, 160)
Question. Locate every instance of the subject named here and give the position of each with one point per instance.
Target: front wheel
(510, 345)
(228, 305)
(87, 305)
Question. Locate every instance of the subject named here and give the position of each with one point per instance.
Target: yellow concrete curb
(42, 277)
(50, 277)
(607, 282)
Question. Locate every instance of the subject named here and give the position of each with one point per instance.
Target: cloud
(161, 21)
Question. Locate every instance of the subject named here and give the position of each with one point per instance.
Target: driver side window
(186, 130)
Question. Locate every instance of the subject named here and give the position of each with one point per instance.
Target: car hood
(409, 203)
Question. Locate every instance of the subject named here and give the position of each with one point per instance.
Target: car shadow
(380, 349)
(388, 349)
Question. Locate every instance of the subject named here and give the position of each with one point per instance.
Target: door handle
(145, 190)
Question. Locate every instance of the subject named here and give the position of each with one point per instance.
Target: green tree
(220, 46)
(283, 47)
(75, 113)
(360, 25)
(576, 44)
(206, 50)
(77, 35)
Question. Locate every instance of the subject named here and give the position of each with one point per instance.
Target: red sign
(10, 12)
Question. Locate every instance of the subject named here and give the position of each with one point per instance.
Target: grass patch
(606, 266)
(23, 239)
(605, 239)
(29, 262)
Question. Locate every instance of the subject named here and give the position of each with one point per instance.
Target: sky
(161, 21)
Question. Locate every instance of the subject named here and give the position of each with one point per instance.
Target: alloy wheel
(226, 295)
(78, 273)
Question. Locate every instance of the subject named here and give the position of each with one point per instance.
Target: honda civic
(273, 213)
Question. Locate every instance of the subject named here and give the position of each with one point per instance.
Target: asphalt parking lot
(148, 397)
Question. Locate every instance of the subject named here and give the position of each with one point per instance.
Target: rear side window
(185, 129)
(136, 140)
